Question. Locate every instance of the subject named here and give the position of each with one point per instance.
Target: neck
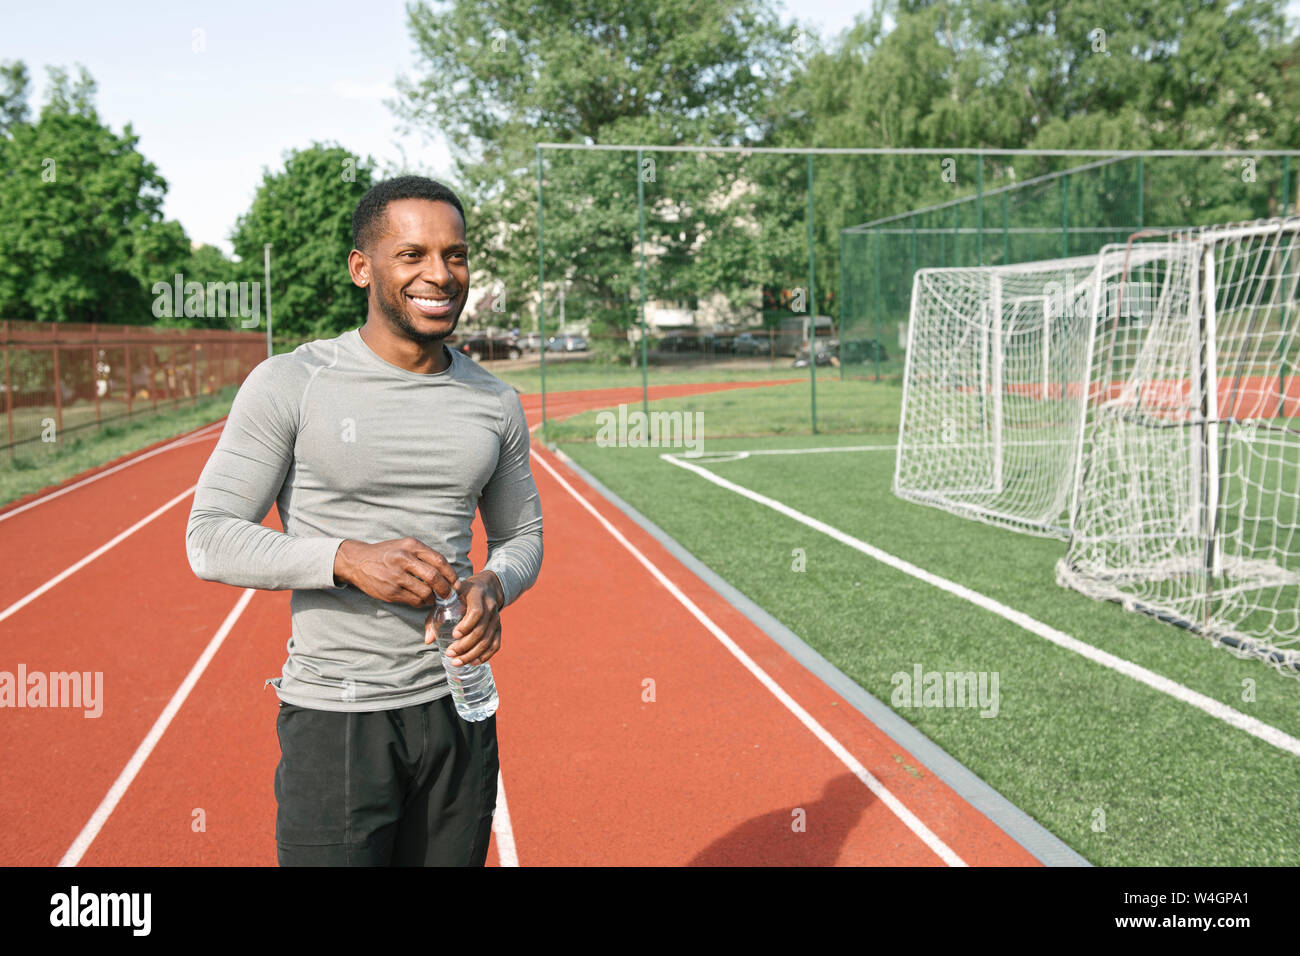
(401, 351)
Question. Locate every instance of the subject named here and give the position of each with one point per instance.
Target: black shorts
(415, 786)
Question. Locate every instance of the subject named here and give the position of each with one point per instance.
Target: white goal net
(995, 390)
(1187, 497)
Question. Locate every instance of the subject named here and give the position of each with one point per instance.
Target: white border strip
(912, 822)
(1256, 728)
(115, 793)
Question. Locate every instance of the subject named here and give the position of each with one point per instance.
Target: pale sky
(218, 91)
(266, 77)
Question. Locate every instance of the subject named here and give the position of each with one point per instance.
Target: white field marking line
(74, 568)
(188, 439)
(1257, 728)
(505, 834)
(742, 454)
(115, 793)
(913, 823)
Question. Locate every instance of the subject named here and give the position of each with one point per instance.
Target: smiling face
(417, 270)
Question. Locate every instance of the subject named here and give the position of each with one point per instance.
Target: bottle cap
(451, 598)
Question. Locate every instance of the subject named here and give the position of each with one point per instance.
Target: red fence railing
(61, 377)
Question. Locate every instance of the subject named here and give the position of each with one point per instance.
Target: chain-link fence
(1031, 208)
(660, 265)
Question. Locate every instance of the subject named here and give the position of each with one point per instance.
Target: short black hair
(368, 218)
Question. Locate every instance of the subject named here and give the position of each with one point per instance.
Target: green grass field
(842, 407)
(1123, 773)
(36, 465)
(583, 371)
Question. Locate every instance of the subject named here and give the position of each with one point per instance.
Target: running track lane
(712, 771)
(108, 617)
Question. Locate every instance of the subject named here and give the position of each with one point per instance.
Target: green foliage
(82, 236)
(13, 94)
(1099, 74)
(498, 78)
(81, 226)
(305, 212)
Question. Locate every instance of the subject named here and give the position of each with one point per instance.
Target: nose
(439, 276)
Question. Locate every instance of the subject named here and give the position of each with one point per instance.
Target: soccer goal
(1187, 497)
(995, 390)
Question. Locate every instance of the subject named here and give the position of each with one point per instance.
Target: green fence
(1006, 216)
(660, 265)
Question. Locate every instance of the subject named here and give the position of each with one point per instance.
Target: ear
(359, 268)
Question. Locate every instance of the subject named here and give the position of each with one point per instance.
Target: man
(376, 446)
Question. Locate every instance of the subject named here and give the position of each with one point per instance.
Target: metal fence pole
(956, 224)
(812, 302)
(9, 391)
(173, 381)
(1286, 185)
(909, 281)
(266, 255)
(875, 350)
(541, 289)
(1141, 177)
(1065, 216)
(640, 219)
(840, 306)
(58, 387)
(126, 349)
(94, 367)
(1006, 228)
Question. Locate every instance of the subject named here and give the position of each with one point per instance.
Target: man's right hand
(402, 571)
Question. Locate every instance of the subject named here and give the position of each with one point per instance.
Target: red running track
(715, 770)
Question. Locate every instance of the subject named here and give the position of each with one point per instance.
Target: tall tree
(1097, 74)
(305, 212)
(81, 222)
(496, 78)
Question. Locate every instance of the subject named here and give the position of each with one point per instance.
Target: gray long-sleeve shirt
(349, 446)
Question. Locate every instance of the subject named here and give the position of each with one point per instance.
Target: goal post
(1187, 498)
(994, 390)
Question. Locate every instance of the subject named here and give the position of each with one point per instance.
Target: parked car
(828, 353)
(863, 350)
(531, 341)
(718, 342)
(747, 343)
(679, 341)
(567, 343)
(482, 347)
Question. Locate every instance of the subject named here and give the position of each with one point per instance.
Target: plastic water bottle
(473, 690)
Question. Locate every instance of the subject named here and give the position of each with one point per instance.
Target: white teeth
(430, 303)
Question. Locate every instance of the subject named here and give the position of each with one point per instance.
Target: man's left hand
(477, 636)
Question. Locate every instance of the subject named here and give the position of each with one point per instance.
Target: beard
(395, 312)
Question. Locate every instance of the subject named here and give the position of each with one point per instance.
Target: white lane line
(912, 822)
(1257, 728)
(186, 440)
(74, 568)
(696, 456)
(505, 835)
(128, 774)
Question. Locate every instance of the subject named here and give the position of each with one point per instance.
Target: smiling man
(377, 446)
